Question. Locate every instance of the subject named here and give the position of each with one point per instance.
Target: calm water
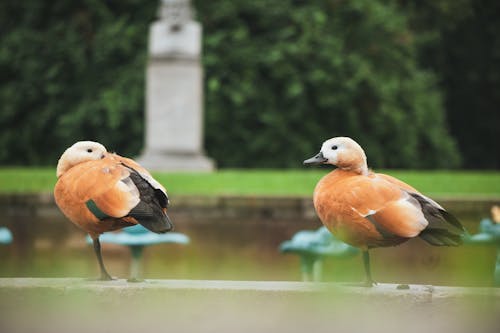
(242, 250)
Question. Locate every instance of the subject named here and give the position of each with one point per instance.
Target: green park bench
(137, 238)
(489, 233)
(5, 236)
(313, 246)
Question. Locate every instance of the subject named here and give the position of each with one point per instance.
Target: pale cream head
(495, 213)
(342, 152)
(82, 151)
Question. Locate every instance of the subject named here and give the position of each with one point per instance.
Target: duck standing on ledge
(368, 210)
(100, 191)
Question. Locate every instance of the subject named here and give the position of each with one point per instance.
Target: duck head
(82, 151)
(343, 152)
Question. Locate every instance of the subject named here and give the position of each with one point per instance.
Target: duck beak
(318, 159)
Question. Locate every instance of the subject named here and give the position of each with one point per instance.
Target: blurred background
(416, 82)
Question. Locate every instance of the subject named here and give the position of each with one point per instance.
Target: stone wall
(42, 205)
(76, 305)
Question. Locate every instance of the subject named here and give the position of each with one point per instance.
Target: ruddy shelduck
(101, 191)
(368, 210)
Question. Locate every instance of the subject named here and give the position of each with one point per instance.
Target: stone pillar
(174, 93)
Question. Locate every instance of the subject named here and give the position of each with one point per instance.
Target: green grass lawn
(269, 182)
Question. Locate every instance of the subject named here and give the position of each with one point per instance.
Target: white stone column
(174, 93)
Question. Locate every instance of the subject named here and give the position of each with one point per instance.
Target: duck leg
(97, 249)
(366, 262)
(368, 282)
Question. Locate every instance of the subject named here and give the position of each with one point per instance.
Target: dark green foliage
(71, 70)
(282, 76)
(460, 41)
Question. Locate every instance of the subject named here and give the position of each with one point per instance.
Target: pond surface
(233, 250)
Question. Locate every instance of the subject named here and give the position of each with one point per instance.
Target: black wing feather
(444, 229)
(149, 211)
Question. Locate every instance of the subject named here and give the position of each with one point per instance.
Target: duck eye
(89, 150)
(334, 147)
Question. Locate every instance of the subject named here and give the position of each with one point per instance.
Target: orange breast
(343, 200)
(97, 181)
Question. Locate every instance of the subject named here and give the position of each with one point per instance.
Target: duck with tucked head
(369, 210)
(100, 191)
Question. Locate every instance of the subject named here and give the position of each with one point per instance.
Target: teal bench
(5, 236)
(489, 233)
(313, 246)
(137, 238)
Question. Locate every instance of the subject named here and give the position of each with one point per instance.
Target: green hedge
(460, 40)
(71, 70)
(281, 76)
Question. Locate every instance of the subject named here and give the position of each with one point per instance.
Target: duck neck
(359, 169)
(64, 164)
(62, 167)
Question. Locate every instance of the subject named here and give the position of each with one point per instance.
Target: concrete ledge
(78, 305)
(418, 292)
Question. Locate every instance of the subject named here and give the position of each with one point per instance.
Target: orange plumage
(367, 209)
(99, 192)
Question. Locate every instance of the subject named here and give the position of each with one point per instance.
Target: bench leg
(136, 263)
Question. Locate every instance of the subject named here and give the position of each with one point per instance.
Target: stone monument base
(172, 161)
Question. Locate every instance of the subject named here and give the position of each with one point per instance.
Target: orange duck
(367, 209)
(100, 191)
